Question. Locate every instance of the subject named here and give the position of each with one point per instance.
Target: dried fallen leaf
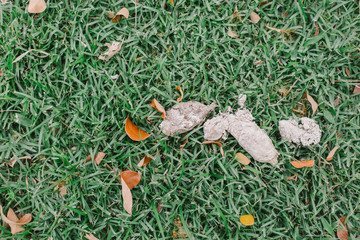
(127, 196)
(286, 31)
(63, 191)
(13, 221)
(263, 3)
(301, 164)
(331, 154)
(134, 132)
(144, 161)
(184, 143)
(342, 233)
(13, 160)
(0, 73)
(356, 89)
(123, 12)
(254, 17)
(232, 34)
(90, 237)
(36, 6)
(348, 72)
(337, 101)
(259, 62)
(114, 48)
(317, 31)
(217, 143)
(159, 207)
(21, 56)
(247, 220)
(292, 177)
(241, 158)
(181, 92)
(179, 233)
(313, 103)
(158, 107)
(99, 157)
(131, 178)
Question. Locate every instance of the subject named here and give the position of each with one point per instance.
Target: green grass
(68, 99)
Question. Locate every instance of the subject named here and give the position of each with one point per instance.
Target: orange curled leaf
(144, 161)
(313, 103)
(254, 17)
(99, 157)
(36, 6)
(122, 12)
(155, 104)
(131, 178)
(172, 2)
(181, 92)
(217, 143)
(301, 164)
(292, 177)
(134, 132)
(13, 221)
(331, 154)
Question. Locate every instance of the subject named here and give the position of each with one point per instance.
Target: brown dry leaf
(254, 17)
(99, 157)
(292, 177)
(217, 143)
(90, 237)
(259, 62)
(337, 101)
(134, 132)
(181, 92)
(13, 160)
(341, 233)
(241, 158)
(356, 89)
(172, 2)
(331, 154)
(63, 191)
(313, 103)
(235, 14)
(285, 31)
(348, 72)
(158, 107)
(144, 161)
(301, 164)
(0, 73)
(184, 143)
(179, 233)
(127, 196)
(114, 48)
(123, 12)
(159, 207)
(131, 178)
(232, 34)
(317, 31)
(13, 221)
(87, 159)
(263, 3)
(36, 6)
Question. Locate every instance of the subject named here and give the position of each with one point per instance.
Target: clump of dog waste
(184, 116)
(250, 136)
(306, 133)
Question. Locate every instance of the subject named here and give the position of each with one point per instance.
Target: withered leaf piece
(134, 132)
(114, 48)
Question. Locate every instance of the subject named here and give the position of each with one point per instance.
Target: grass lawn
(62, 104)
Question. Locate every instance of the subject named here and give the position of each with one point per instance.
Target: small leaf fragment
(90, 237)
(254, 17)
(293, 177)
(144, 161)
(241, 158)
(348, 72)
(356, 89)
(134, 132)
(247, 220)
(181, 92)
(263, 3)
(114, 48)
(122, 12)
(131, 178)
(342, 234)
(259, 62)
(184, 143)
(232, 34)
(331, 154)
(127, 196)
(217, 143)
(301, 164)
(63, 191)
(179, 232)
(99, 157)
(317, 31)
(313, 103)
(36, 6)
(155, 104)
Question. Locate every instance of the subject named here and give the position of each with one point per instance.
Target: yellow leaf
(247, 220)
